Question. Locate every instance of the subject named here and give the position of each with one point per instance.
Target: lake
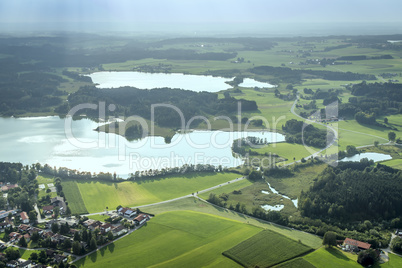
(47, 140)
(376, 157)
(142, 80)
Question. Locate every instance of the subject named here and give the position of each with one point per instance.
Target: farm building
(351, 244)
(127, 212)
(140, 219)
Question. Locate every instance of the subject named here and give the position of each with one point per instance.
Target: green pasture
(96, 196)
(195, 204)
(332, 257)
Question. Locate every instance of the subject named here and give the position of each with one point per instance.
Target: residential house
(127, 212)
(50, 253)
(142, 218)
(12, 264)
(47, 234)
(14, 237)
(94, 225)
(34, 229)
(26, 264)
(59, 202)
(24, 217)
(59, 258)
(354, 245)
(7, 187)
(4, 214)
(58, 238)
(50, 223)
(119, 230)
(27, 237)
(4, 225)
(24, 228)
(70, 221)
(88, 222)
(105, 228)
(48, 210)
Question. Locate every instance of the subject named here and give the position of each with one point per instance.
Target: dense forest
(371, 100)
(297, 132)
(349, 194)
(132, 101)
(285, 74)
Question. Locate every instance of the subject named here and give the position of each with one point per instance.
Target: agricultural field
(96, 196)
(195, 204)
(198, 238)
(73, 197)
(266, 249)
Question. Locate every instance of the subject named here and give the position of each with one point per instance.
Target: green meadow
(394, 163)
(195, 204)
(95, 196)
(175, 239)
(332, 257)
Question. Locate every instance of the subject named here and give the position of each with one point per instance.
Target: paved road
(40, 220)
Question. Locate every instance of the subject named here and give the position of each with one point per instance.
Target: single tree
(77, 236)
(32, 215)
(376, 143)
(329, 239)
(367, 257)
(55, 227)
(34, 256)
(35, 237)
(386, 120)
(391, 136)
(76, 248)
(92, 244)
(22, 242)
(110, 236)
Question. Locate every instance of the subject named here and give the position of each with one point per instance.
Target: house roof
(24, 227)
(118, 228)
(141, 217)
(48, 208)
(24, 216)
(356, 243)
(106, 225)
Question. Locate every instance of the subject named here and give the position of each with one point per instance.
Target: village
(56, 240)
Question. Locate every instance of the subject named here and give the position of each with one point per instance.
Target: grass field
(175, 239)
(394, 163)
(96, 196)
(98, 217)
(266, 249)
(295, 263)
(25, 254)
(332, 257)
(197, 205)
(227, 188)
(300, 181)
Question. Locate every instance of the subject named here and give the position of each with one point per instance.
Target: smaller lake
(276, 207)
(247, 82)
(141, 80)
(376, 157)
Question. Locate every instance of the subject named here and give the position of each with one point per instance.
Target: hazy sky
(133, 15)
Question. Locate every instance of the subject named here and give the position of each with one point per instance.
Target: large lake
(74, 144)
(141, 80)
